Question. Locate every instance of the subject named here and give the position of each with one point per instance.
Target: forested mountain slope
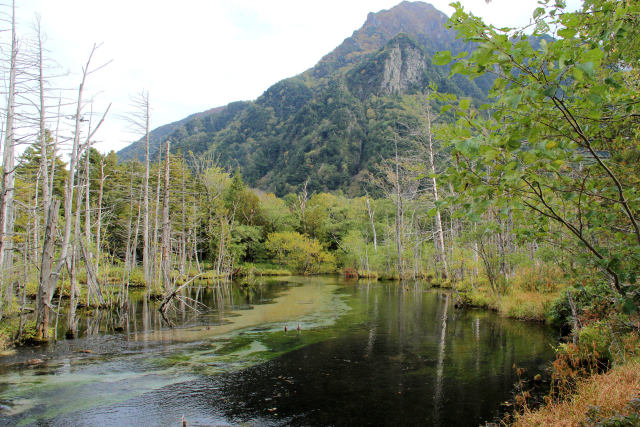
(334, 123)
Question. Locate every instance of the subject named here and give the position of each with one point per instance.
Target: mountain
(334, 123)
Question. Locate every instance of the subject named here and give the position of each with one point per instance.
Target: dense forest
(505, 169)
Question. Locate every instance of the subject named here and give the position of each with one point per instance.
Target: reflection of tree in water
(437, 396)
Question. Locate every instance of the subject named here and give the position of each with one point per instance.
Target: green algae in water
(241, 342)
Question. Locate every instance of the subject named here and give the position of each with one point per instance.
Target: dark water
(365, 355)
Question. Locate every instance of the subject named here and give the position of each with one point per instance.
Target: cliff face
(400, 67)
(332, 124)
(420, 20)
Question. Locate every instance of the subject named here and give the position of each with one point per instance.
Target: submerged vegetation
(528, 205)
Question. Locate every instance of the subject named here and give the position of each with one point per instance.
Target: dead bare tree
(138, 120)
(8, 172)
(166, 227)
(373, 225)
(48, 275)
(432, 171)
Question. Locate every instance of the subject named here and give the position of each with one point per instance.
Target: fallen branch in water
(165, 302)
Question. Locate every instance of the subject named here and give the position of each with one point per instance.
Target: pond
(365, 354)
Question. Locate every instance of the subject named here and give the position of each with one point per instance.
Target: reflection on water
(366, 354)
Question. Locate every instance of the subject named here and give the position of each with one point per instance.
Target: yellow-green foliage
(300, 253)
(596, 338)
(609, 340)
(525, 305)
(5, 339)
(538, 278)
(368, 274)
(262, 270)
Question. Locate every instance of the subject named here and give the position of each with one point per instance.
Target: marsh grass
(602, 399)
(528, 295)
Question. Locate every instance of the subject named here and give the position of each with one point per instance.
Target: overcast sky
(193, 55)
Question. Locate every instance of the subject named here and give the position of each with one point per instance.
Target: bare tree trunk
(127, 256)
(49, 278)
(134, 247)
(221, 245)
(54, 152)
(183, 239)
(93, 285)
(87, 218)
(33, 249)
(399, 214)
(8, 177)
(432, 166)
(45, 292)
(145, 227)
(99, 219)
(87, 199)
(373, 226)
(44, 160)
(302, 202)
(72, 264)
(195, 235)
(166, 228)
(154, 255)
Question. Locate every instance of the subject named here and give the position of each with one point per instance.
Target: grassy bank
(611, 399)
(515, 303)
(531, 294)
(264, 269)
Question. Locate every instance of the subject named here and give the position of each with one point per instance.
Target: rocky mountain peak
(421, 20)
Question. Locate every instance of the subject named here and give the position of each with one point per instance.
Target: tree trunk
(49, 278)
(373, 226)
(166, 228)
(45, 290)
(44, 161)
(399, 214)
(99, 219)
(154, 254)
(8, 178)
(145, 227)
(183, 238)
(440, 234)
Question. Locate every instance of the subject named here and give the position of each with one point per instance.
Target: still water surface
(365, 355)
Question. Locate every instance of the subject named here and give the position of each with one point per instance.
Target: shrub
(300, 253)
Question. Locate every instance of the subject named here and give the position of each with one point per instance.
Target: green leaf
(442, 58)
(578, 74)
(594, 55)
(464, 104)
(513, 100)
(567, 33)
(459, 68)
(549, 91)
(587, 68)
(538, 12)
(556, 164)
(514, 143)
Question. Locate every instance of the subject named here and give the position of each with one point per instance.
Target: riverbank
(514, 303)
(611, 398)
(596, 375)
